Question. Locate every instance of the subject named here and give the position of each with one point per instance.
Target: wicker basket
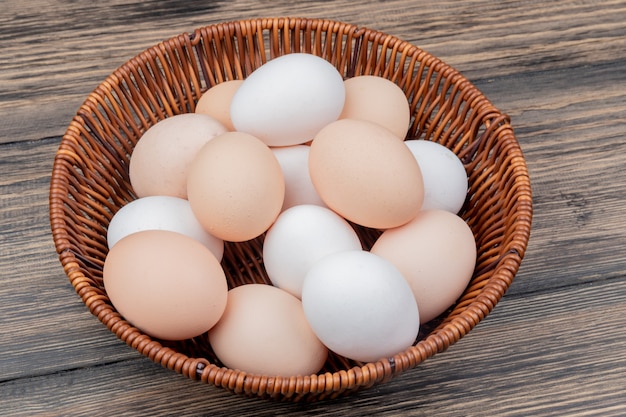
(90, 181)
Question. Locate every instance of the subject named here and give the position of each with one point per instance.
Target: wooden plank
(54, 53)
(570, 125)
(45, 326)
(565, 345)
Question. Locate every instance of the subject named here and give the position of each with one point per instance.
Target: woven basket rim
(475, 305)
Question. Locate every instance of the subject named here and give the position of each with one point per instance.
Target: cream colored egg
(160, 160)
(165, 283)
(216, 102)
(379, 100)
(366, 174)
(264, 331)
(235, 187)
(436, 253)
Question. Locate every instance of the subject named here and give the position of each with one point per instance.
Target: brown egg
(264, 331)
(160, 160)
(165, 283)
(366, 174)
(378, 100)
(235, 187)
(216, 102)
(436, 253)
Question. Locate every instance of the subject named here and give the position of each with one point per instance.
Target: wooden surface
(554, 345)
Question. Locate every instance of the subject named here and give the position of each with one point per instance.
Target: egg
(161, 213)
(445, 178)
(289, 99)
(165, 283)
(379, 100)
(366, 174)
(300, 237)
(360, 306)
(235, 187)
(160, 160)
(436, 253)
(299, 189)
(264, 331)
(216, 102)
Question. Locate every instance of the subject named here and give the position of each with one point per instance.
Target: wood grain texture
(37, 314)
(553, 346)
(571, 125)
(54, 53)
(554, 366)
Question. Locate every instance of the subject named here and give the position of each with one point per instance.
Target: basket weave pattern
(90, 181)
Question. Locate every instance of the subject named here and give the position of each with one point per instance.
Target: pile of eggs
(297, 154)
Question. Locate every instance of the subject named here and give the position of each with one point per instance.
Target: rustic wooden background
(556, 343)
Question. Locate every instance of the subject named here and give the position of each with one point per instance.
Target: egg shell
(161, 213)
(289, 99)
(379, 100)
(360, 306)
(235, 187)
(445, 178)
(436, 253)
(366, 174)
(299, 189)
(300, 237)
(160, 160)
(216, 102)
(165, 283)
(264, 331)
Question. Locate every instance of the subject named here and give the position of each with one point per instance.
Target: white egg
(443, 173)
(360, 306)
(299, 189)
(289, 99)
(301, 236)
(161, 213)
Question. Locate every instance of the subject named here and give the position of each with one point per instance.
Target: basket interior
(90, 180)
